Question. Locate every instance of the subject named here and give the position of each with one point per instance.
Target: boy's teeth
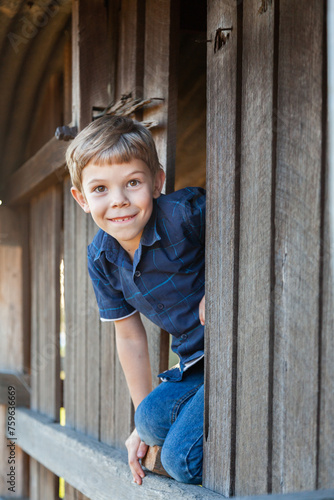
(122, 218)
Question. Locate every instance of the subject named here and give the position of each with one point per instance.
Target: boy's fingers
(137, 471)
(142, 450)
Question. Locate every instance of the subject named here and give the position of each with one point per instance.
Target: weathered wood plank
(81, 283)
(107, 408)
(161, 47)
(35, 356)
(71, 328)
(130, 60)
(45, 168)
(92, 467)
(45, 224)
(45, 242)
(326, 420)
(221, 247)
(93, 340)
(255, 304)
(11, 291)
(297, 247)
(92, 62)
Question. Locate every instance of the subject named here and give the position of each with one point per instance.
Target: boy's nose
(118, 198)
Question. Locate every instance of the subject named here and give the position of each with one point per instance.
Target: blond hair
(110, 140)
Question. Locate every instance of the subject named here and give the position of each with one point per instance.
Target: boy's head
(116, 175)
(110, 140)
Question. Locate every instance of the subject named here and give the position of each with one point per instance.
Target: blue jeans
(171, 416)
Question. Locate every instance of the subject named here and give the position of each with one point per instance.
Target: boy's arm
(133, 354)
(132, 348)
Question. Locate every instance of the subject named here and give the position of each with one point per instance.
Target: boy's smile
(120, 199)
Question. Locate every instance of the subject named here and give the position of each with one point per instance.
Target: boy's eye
(100, 189)
(133, 183)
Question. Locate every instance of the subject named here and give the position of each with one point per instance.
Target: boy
(147, 257)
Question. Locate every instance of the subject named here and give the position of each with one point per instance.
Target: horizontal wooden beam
(45, 168)
(21, 382)
(96, 469)
(92, 467)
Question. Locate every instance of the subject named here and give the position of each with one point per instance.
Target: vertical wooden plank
(107, 407)
(45, 243)
(71, 329)
(92, 59)
(160, 78)
(14, 333)
(220, 329)
(93, 340)
(67, 106)
(130, 60)
(254, 320)
(326, 421)
(297, 249)
(35, 359)
(81, 283)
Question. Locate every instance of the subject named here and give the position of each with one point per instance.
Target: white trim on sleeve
(118, 319)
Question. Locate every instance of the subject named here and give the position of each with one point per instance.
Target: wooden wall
(269, 381)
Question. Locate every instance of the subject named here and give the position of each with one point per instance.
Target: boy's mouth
(122, 219)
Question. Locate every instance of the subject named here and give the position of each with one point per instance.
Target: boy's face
(120, 198)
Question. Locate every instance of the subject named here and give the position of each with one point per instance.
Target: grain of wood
(326, 421)
(297, 248)
(161, 46)
(13, 334)
(93, 339)
(130, 60)
(256, 238)
(45, 243)
(220, 252)
(70, 249)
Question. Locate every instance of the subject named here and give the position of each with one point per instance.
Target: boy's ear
(159, 180)
(80, 198)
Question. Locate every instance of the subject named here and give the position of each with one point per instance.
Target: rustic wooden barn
(249, 77)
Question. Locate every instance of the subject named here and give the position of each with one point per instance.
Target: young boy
(147, 257)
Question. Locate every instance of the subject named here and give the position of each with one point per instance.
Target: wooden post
(254, 379)
(297, 245)
(221, 249)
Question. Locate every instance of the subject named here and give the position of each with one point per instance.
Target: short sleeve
(195, 212)
(110, 300)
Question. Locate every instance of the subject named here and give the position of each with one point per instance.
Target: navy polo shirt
(166, 280)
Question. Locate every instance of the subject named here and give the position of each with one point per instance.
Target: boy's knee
(180, 467)
(146, 424)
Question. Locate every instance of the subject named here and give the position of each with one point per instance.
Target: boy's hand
(202, 311)
(136, 450)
